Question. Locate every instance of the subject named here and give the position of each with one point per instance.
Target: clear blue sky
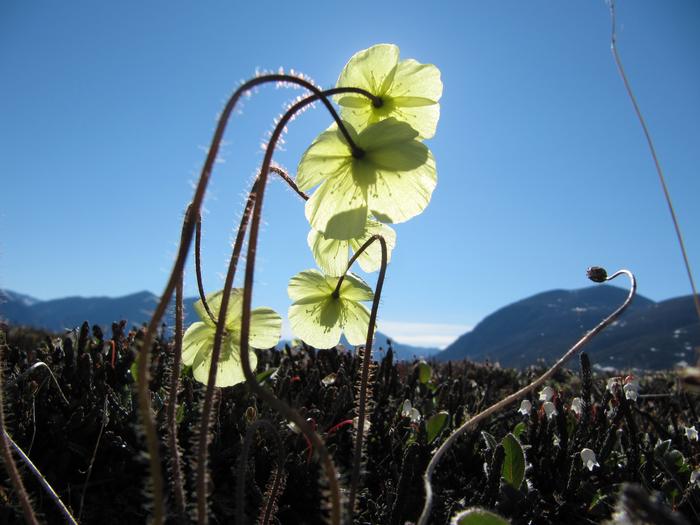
(106, 109)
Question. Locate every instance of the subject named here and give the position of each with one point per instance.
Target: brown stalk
(254, 202)
(500, 405)
(171, 415)
(363, 396)
(144, 357)
(654, 156)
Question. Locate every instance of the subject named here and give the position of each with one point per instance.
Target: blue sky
(106, 110)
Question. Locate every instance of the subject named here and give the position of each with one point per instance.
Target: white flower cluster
(546, 395)
(629, 385)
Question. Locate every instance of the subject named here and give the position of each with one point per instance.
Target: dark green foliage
(640, 441)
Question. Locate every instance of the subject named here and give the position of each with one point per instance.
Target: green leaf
(478, 516)
(265, 375)
(519, 429)
(180, 413)
(598, 498)
(514, 463)
(491, 442)
(436, 424)
(424, 372)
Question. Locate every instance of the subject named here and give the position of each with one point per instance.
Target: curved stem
(242, 227)
(144, 357)
(366, 360)
(253, 207)
(174, 450)
(496, 407)
(198, 267)
(652, 150)
(280, 406)
(31, 369)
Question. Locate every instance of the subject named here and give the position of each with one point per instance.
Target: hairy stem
(278, 405)
(198, 267)
(144, 357)
(241, 228)
(500, 405)
(366, 360)
(254, 202)
(174, 450)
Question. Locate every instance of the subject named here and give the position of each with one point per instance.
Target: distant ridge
(648, 335)
(58, 315)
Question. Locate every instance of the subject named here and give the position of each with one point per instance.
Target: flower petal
(355, 320)
(233, 310)
(338, 207)
(309, 286)
(422, 117)
(229, 370)
(331, 255)
(317, 323)
(328, 156)
(399, 196)
(197, 338)
(415, 92)
(372, 69)
(386, 134)
(371, 259)
(413, 79)
(265, 328)
(355, 289)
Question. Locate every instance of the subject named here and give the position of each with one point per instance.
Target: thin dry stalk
(500, 405)
(42, 481)
(652, 150)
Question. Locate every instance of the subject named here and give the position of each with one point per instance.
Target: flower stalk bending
(596, 274)
(255, 200)
(144, 357)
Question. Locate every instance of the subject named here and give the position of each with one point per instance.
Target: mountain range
(649, 335)
(57, 315)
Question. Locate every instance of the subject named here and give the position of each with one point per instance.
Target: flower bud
(597, 274)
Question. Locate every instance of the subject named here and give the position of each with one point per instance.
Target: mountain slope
(59, 314)
(544, 326)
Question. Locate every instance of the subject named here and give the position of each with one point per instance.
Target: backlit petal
(338, 208)
(328, 156)
(317, 323)
(371, 259)
(265, 328)
(197, 337)
(355, 322)
(331, 255)
(308, 287)
(399, 196)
